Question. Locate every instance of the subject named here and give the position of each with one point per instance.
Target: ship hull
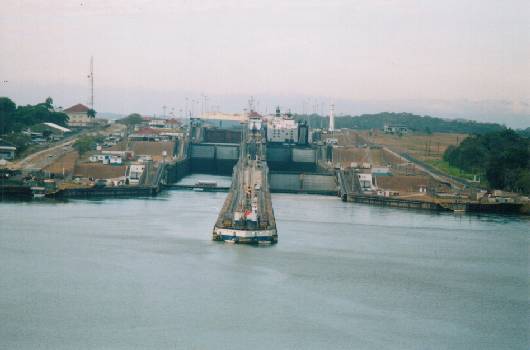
(245, 236)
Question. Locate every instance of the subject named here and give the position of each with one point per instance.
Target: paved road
(41, 159)
(38, 160)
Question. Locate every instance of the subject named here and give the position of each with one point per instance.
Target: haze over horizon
(457, 59)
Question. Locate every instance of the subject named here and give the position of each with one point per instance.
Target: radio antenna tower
(91, 77)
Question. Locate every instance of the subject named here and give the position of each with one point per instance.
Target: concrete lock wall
(203, 151)
(285, 182)
(227, 152)
(323, 183)
(304, 155)
(278, 154)
(310, 183)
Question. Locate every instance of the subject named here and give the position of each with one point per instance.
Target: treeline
(502, 157)
(15, 118)
(414, 122)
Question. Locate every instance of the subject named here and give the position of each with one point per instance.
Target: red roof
(78, 108)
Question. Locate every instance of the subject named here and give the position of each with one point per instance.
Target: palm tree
(91, 113)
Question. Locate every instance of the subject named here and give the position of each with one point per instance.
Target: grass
(421, 146)
(451, 170)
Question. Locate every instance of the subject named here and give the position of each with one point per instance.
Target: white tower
(331, 118)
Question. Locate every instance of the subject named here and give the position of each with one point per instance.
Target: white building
(106, 159)
(78, 116)
(395, 129)
(282, 129)
(367, 182)
(135, 173)
(157, 123)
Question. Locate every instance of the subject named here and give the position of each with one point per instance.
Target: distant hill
(414, 122)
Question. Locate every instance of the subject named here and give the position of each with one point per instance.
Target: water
(143, 274)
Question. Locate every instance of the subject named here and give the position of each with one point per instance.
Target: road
(39, 160)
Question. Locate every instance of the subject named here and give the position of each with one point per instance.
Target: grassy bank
(451, 170)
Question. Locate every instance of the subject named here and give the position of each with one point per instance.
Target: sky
(451, 58)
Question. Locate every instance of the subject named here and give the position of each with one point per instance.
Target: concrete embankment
(133, 191)
(394, 202)
(165, 173)
(15, 192)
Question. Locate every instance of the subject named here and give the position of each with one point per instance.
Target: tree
(49, 103)
(15, 119)
(20, 141)
(7, 108)
(91, 113)
(503, 157)
(131, 119)
(87, 143)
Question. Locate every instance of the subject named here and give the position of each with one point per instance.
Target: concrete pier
(247, 215)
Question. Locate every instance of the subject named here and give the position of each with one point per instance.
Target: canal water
(143, 274)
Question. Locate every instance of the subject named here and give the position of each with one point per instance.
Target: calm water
(143, 274)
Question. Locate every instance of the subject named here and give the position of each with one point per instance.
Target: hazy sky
(152, 53)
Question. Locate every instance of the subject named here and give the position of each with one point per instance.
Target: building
(146, 134)
(157, 123)
(381, 171)
(44, 132)
(7, 150)
(367, 182)
(173, 123)
(135, 173)
(282, 129)
(78, 116)
(396, 129)
(106, 159)
(57, 128)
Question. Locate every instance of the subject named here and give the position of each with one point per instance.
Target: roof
(7, 145)
(78, 108)
(58, 127)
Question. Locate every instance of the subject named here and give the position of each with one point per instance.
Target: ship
(247, 215)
